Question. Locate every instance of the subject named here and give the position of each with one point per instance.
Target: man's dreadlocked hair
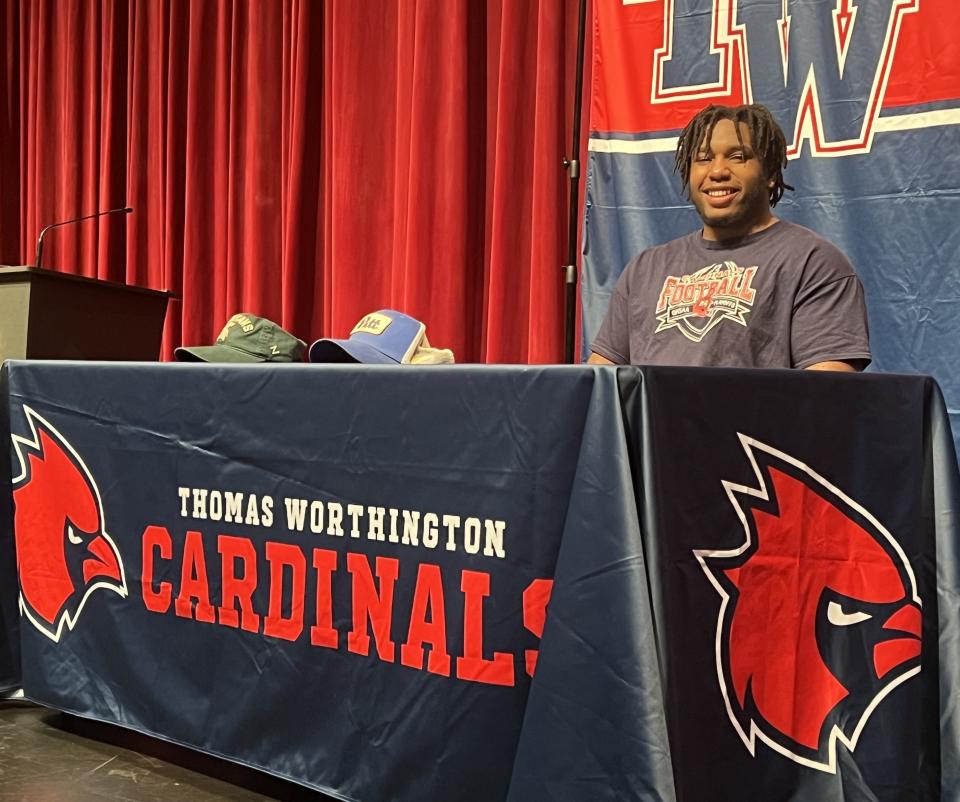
(766, 137)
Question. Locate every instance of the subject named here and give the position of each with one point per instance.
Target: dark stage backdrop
(306, 161)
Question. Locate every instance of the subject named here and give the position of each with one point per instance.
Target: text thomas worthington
(413, 528)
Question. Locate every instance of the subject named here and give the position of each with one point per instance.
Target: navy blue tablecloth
(466, 583)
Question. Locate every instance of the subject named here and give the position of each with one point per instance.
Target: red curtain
(308, 162)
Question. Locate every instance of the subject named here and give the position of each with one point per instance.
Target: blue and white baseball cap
(386, 337)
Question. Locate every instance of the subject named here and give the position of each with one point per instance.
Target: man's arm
(843, 367)
(828, 330)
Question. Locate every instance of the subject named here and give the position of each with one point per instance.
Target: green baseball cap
(247, 338)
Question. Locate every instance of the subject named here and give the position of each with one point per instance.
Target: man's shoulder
(799, 233)
(794, 246)
(652, 262)
(825, 258)
(668, 249)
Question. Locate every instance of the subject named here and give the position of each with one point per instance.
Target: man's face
(727, 185)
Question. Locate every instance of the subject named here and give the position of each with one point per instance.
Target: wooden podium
(49, 315)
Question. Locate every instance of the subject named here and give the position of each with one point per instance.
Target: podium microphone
(45, 229)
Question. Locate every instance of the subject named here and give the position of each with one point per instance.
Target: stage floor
(46, 756)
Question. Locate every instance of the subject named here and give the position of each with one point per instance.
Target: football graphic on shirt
(696, 303)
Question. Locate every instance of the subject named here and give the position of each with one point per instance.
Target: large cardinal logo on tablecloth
(820, 618)
(64, 553)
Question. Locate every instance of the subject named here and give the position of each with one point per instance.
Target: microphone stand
(45, 229)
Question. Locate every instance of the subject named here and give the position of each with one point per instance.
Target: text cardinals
(336, 600)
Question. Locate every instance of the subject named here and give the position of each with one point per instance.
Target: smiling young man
(748, 289)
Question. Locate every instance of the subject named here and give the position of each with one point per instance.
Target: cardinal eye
(75, 539)
(837, 617)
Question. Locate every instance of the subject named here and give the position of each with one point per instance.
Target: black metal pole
(573, 167)
(45, 229)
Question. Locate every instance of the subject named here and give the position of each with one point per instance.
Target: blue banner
(868, 95)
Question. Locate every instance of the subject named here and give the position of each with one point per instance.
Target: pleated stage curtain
(306, 161)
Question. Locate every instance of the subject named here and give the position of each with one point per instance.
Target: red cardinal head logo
(820, 617)
(63, 550)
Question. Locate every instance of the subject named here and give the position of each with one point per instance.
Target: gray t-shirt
(783, 297)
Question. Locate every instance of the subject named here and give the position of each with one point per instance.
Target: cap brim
(345, 351)
(214, 353)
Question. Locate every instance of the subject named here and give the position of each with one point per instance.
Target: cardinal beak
(103, 562)
(888, 654)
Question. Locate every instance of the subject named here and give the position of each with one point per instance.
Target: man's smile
(720, 197)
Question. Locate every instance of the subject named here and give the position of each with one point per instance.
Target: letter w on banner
(868, 94)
